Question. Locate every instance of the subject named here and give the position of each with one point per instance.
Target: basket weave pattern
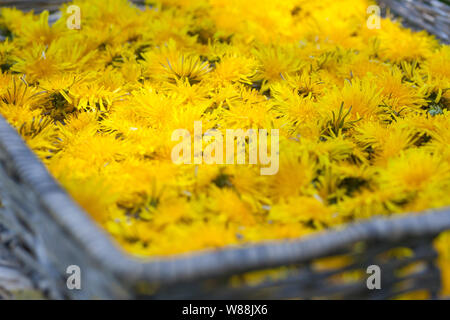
(430, 15)
(46, 232)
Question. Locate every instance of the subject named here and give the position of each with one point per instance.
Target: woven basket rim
(206, 263)
(107, 253)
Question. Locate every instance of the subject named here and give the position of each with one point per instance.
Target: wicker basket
(46, 232)
(430, 15)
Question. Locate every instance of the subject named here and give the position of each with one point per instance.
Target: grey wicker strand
(43, 230)
(430, 15)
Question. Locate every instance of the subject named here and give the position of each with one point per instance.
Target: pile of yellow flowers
(363, 115)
